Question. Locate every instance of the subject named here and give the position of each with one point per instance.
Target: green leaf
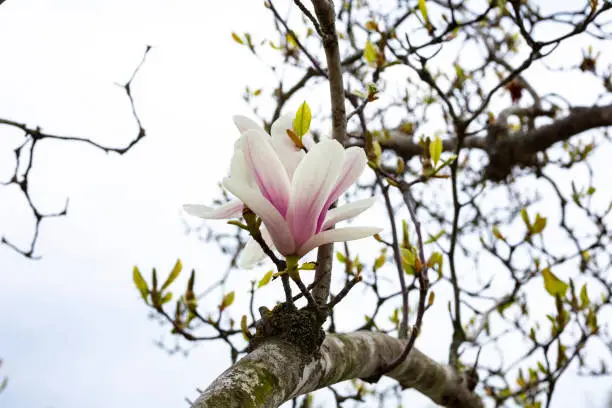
(405, 234)
(408, 260)
(265, 280)
(425, 14)
(244, 328)
(394, 318)
(502, 307)
(369, 53)
(377, 151)
(434, 238)
(553, 285)
(447, 162)
(497, 233)
(249, 40)
(542, 368)
(423, 10)
(584, 297)
(538, 224)
(227, 300)
(340, 256)
(371, 25)
(435, 149)
(591, 321)
(435, 259)
(173, 274)
(291, 39)
(525, 218)
(308, 266)
(303, 116)
(359, 94)
(141, 284)
(166, 298)
(237, 38)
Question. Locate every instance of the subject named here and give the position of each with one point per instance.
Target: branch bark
(520, 148)
(324, 9)
(515, 149)
(278, 371)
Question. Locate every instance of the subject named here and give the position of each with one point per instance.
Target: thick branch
(407, 148)
(578, 121)
(325, 258)
(324, 9)
(509, 151)
(520, 148)
(276, 372)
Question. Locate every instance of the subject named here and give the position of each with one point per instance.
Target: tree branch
(324, 10)
(326, 15)
(516, 148)
(579, 120)
(520, 147)
(278, 371)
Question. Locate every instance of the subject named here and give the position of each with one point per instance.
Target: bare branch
(278, 371)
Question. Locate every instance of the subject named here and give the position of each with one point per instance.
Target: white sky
(73, 331)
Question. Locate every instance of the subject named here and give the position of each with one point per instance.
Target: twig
(403, 328)
(422, 276)
(308, 14)
(311, 301)
(336, 299)
(289, 31)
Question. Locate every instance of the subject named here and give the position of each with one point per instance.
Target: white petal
(335, 215)
(337, 235)
(252, 253)
(353, 165)
(238, 167)
(280, 125)
(231, 209)
(243, 124)
(274, 222)
(289, 154)
(312, 183)
(308, 141)
(270, 175)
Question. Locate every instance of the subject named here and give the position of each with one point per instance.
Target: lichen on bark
(300, 327)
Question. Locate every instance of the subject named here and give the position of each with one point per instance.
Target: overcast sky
(73, 331)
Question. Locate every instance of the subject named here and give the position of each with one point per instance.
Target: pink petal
(353, 165)
(231, 209)
(272, 219)
(337, 235)
(270, 175)
(335, 215)
(289, 154)
(312, 183)
(243, 124)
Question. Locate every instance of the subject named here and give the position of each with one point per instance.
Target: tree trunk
(278, 371)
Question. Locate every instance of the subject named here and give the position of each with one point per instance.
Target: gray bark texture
(518, 148)
(278, 371)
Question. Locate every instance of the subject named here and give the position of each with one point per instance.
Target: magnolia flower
(290, 190)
